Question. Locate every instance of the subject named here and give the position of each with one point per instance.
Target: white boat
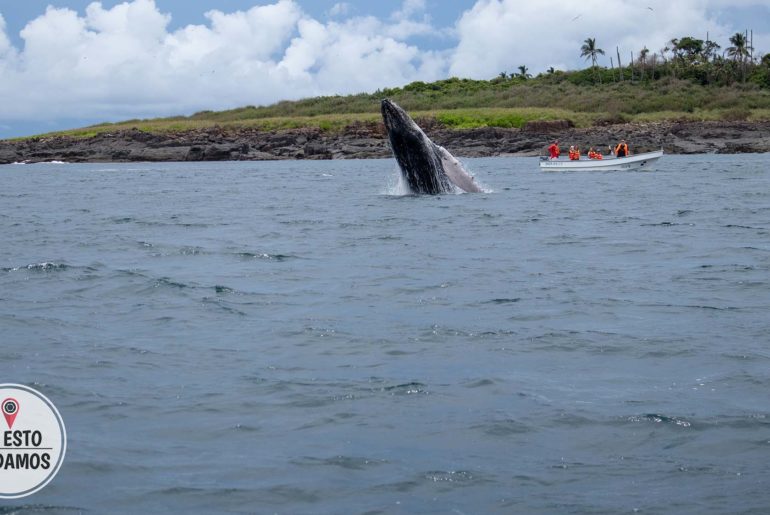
(609, 163)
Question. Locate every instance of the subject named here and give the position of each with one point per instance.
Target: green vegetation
(689, 80)
(464, 103)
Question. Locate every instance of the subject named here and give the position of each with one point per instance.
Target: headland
(369, 140)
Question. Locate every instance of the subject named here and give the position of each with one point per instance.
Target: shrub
(610, 119)
(738, 114)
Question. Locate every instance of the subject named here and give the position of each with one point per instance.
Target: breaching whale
(426, 167)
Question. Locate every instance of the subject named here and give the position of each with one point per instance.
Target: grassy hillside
(501, 102)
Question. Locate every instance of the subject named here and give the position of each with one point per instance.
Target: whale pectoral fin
(455, 171)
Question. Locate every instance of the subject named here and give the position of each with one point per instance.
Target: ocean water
(298, 337)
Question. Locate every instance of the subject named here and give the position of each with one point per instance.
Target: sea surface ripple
(294, 337)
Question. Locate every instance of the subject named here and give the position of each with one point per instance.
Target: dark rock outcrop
(369, 140)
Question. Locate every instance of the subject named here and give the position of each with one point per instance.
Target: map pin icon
(10, 410)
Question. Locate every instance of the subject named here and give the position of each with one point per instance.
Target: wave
(454, 476)
(223, 306)
(265, 255)
(35, 508)
(157, 223)
(340, 461)
(166, 282)
(504, 428)
(413, 388)
(45, 266)
(660, 419)
(664, 224)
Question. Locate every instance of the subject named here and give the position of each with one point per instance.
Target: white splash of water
(397, 185)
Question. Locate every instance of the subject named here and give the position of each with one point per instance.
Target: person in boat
(594, 154)
(621, 150)
(574, 153)
(553, 150)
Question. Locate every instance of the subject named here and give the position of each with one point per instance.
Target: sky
(71, 63)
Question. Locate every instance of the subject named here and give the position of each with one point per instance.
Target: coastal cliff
(369, 140)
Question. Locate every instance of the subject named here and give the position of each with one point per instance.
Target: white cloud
(340, 9)
(257, 33)
(124, 62)
(5, 44)
(407, 22)
(354, 56)
(409, 8)
(500, 35)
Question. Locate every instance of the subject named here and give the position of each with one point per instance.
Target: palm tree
(552, 70)
(739, 51)
(523, 72)
(589, 50)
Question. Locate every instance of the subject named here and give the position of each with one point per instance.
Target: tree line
(704, 62)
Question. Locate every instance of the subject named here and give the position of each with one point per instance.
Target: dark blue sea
(301, 338)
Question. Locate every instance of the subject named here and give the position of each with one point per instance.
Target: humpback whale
(426, 167)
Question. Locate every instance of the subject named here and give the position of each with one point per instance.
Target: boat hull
(635, 162)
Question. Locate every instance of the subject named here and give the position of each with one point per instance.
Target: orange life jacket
(553, 150)
(621, 150)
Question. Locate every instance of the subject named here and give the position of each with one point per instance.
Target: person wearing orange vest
(622, 149)
(553, 150)
(574, 153)
(592, 154)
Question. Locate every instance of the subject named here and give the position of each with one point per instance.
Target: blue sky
(80, 62)
(18, 13)
(186, 12)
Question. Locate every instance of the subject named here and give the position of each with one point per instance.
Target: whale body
(427, 168)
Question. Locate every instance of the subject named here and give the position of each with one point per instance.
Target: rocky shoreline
(369, 140)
